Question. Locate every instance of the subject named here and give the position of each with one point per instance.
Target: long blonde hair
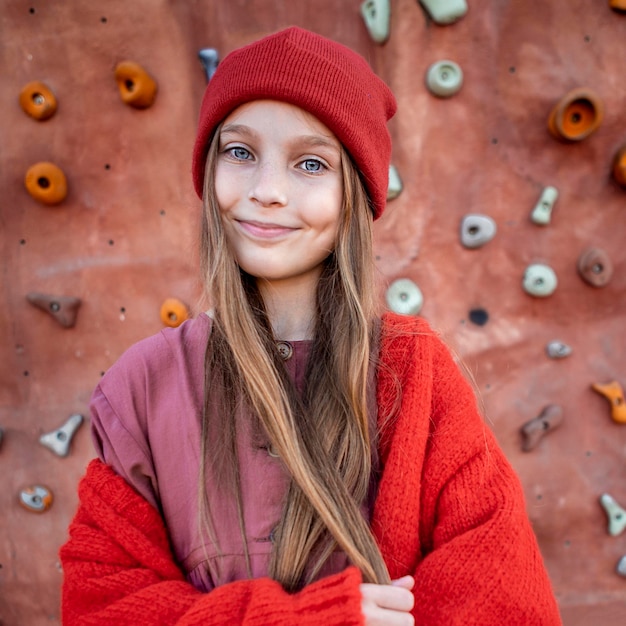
(322, 437)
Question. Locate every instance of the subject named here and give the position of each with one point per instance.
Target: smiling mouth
(263, 230)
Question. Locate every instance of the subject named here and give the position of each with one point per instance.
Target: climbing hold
(551, 417)
(619, 166)
(137, 88)
(543, 209)
(59, 440)
(478, 316)
(621, 566)
(615, 513)
(38, 101)
(444, 78)
(209, 58)
(539, 280)
(404, 297)
(376, 14)
(174, 312)
(64, 309)
(618, 5)
(477, 230)
(614, 393)
(445, 11)
(576, 115)
(36, 499)
(46, 183)
(558, 350)
(595, 267)
(395, 184)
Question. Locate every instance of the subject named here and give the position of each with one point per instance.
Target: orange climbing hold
(614, 393)
(46, 183)
(576, 115)
(38, 101)
(174, 312)
(619, 165)
(137, 88)
(618, 5)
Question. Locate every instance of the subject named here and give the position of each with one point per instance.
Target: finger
(406, 582)
(388, 596)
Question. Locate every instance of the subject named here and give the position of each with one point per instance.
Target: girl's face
(279, 188)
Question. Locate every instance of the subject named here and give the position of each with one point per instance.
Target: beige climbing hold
(395, 183)
(445, 11)
(137, 88)
(614, 393)
(376, 15)
(551, 417)
(404, 297)
(542, 213)
(615, 513)
(59, 440)
(539, 280)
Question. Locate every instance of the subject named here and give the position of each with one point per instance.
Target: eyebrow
(312, 141)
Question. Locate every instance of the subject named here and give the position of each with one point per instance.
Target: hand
(388, 605)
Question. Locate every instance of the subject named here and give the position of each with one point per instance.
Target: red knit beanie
(322, 77)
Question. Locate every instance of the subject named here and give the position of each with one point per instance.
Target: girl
(292, 456)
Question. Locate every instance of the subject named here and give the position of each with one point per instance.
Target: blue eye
(239, 153)
(312, 165)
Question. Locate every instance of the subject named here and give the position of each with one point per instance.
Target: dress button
(285, 349)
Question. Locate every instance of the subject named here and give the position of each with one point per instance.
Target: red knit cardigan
(449, 510)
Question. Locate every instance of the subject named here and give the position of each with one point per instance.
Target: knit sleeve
(481, 563)
(118, 569)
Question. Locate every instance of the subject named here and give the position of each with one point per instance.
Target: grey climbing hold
(539, 280)
(404, 297)
(551, 417)
(558, 350)
(615, 513)
(444, 78)
(210, 59)
(59, 440)
(445, 11)
(542, 213)
(621, 566)
(395, 184)
(376, 14)
(477, 230)
(36, 499)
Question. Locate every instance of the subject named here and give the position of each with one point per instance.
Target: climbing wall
(84, 278)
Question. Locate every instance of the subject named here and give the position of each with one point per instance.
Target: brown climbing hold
(619, 165)
(137, 88)
(64, 309)
(46, 183)
(174, 312)
(614, 393)
(550, 418)
(576, 115)
(595, 267)
(38, 101)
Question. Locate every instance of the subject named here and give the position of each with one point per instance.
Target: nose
(269, 186)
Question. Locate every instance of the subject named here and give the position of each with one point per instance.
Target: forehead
(278, 118)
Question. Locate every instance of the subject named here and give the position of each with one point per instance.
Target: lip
(264, 230)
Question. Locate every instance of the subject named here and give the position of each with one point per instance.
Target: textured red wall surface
(124, 239)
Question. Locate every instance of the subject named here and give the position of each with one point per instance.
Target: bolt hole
(111, 242)
(43, 182)
(22, 242)
(587, 38)
(538, 281)
(162, 212)
(597, 268)
(36, 500)
(101, 373)
(130, 85)
(26, 372)
(103, 20)
(172, 317)
(545, 424)
(619, 401)
(31, 10)
(55, 307)
(38, 99)
(61, 436)
(539, 497)
(107, 166)
(512, 69)
(494, 141)
(473, 230)
(123, 309)
(576, 118)
(479, 317)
